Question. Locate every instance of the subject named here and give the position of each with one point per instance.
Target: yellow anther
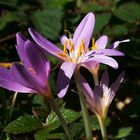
(65, 46)
(62, 54)
(82, 46)
(32, 70)
(79, 52)
(71, 46)
(93, 44)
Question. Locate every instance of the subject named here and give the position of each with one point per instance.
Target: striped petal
(7, 81)
(105, 60)
(101, 42)
(49, 47)
(84, 31)
(23, 77)
(38, 64)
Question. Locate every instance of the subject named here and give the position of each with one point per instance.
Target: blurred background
(119, 19)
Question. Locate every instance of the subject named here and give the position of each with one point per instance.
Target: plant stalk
(103, 128)
(83, 106)
(55, 108)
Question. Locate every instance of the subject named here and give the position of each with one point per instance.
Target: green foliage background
(119, 19)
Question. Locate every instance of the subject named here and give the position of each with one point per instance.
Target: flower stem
(55, 108)
(103, 128)
(83, 106)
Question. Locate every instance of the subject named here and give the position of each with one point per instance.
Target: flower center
(72, 54)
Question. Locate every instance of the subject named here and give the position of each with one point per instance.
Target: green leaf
(54, 3)
(123, 132)
(95, 123)
(96, 6)
(23, 124)
(10, 17)
(70, 115)
(116, 30)
(101, 21)
(43, 135)
(78, 130)
(48, 22)
(53, 122)
(128, 12)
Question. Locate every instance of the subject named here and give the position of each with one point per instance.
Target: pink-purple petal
(116, 44)
(105, 60)
(10, 85)
(49, 47)
(63, 39)
(20, 39)
(84, 31)
(6, 81)
(86, 88)
(105, 79)
(23, 77)
(64, 76)
(97, 99)
(37, 62)
(110, 52)
(115, 86)
(20, 47)
(101, 42)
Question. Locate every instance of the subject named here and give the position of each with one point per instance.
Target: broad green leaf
(128, 12)
(96, 6)
(53, 122)
(43, 135)
(101, 21)
(123, 132)
(95, 123)
(54, 3)
(78, 130)
(68, 115)
(48, 22)
(116, 30)
(10, 17)
(23, 124)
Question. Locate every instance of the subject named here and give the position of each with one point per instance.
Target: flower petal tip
(31, 30)
(122, 76)
(116, 66)
(60, 95)
(91, 14)
(126, 40)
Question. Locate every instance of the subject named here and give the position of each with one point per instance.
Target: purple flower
(76, 51)
(101, 97)
(29, 76)
(99, 48)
